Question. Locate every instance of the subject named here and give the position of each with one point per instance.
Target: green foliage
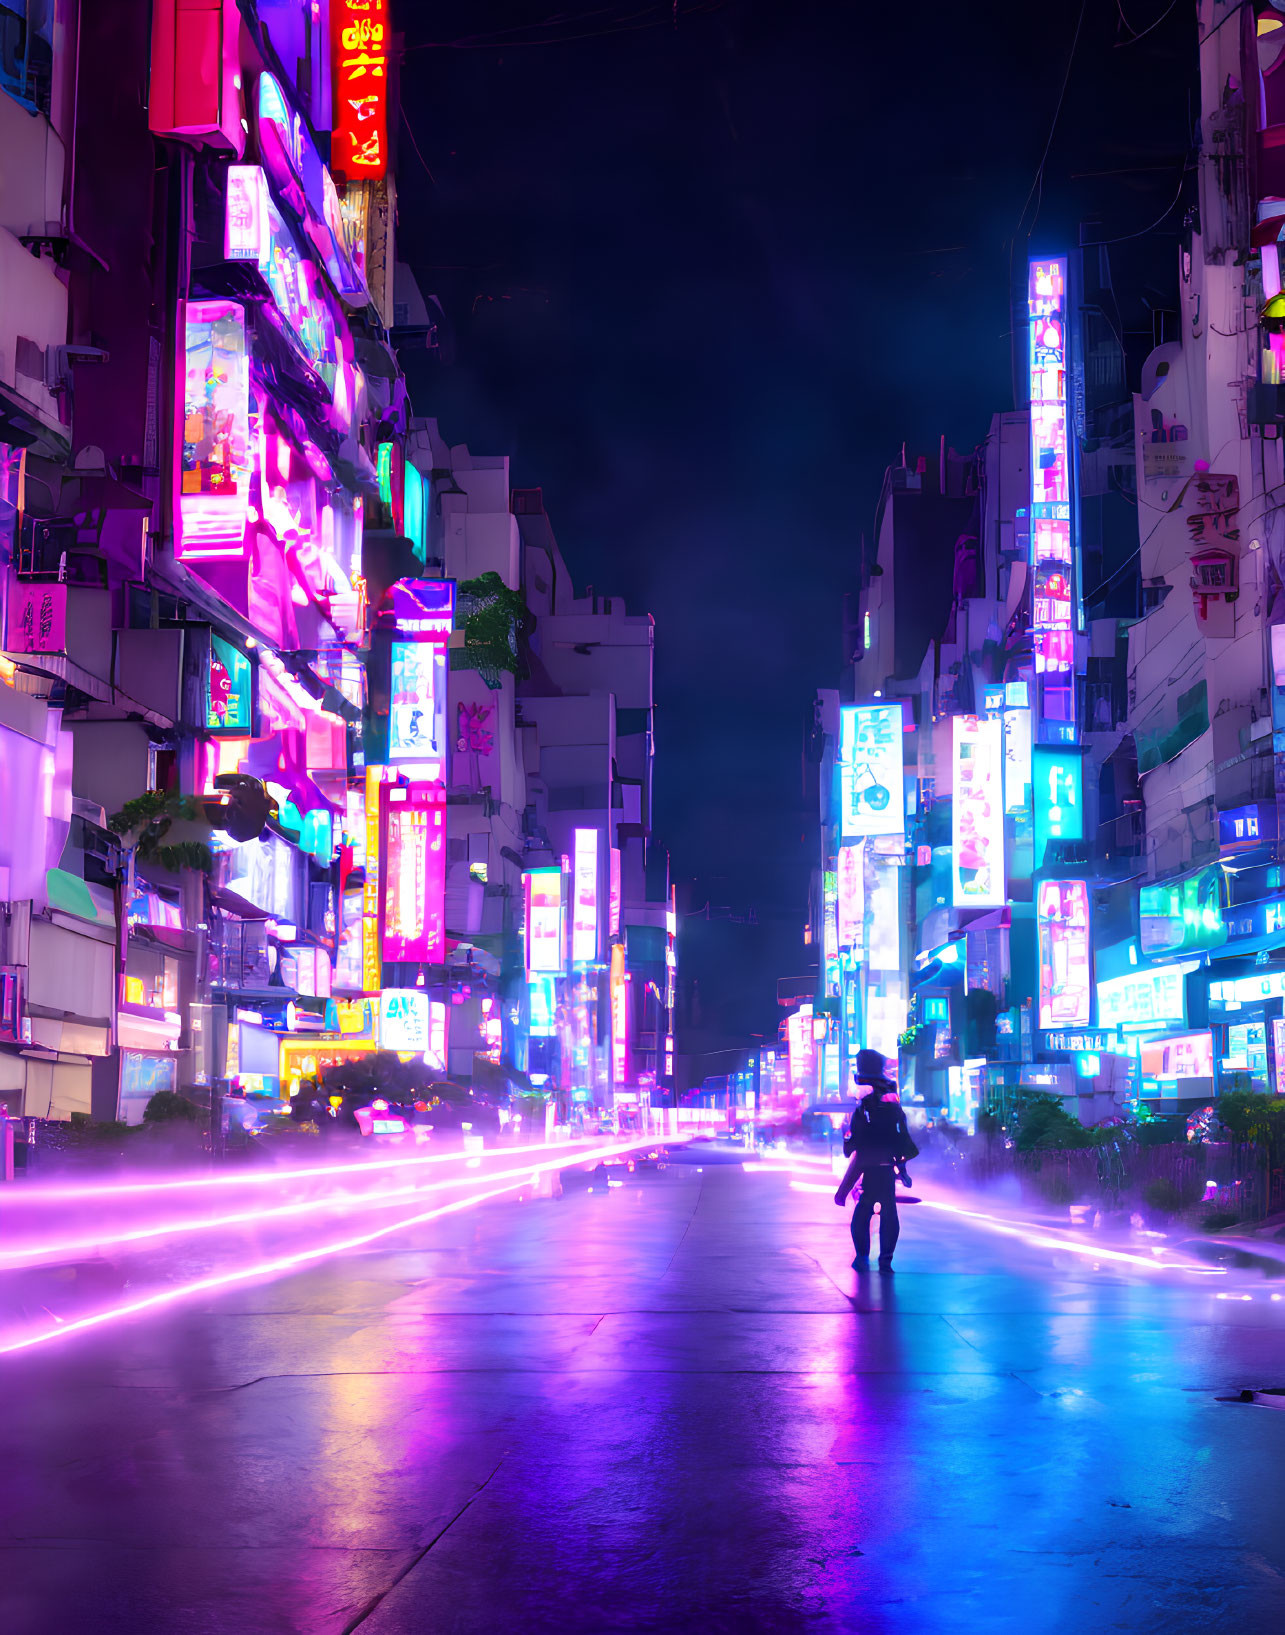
(1162, 1196)
(493, 629)
(145, 821)
(167, 1107)
(1252, 1117)
(1044, 1125)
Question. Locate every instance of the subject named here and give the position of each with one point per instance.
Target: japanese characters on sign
(360, 61)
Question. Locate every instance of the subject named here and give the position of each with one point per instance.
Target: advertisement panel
(229, 700)
(1180, 916)
(215, 454)
(1180, 1056)
(1017, 759)
(1147, 998)
(404, 1021)
(1062, 915)
(871, 790)
(413, 877)
(543, 889)
(1059, 801)
(977, 813)
(851, 873)
(584, 898)
(1053, 601)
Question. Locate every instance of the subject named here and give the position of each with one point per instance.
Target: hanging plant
(495, 621)
(144, 823)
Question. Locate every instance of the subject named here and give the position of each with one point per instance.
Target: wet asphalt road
(669, 1407)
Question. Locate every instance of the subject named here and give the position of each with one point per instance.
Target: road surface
(669, 1406)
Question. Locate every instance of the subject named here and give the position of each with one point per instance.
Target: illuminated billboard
(360, 38)
(1017, 759)
(404, 1021)
(584, 898)
(1062, 916)
(619, 1017)
(543, 889)
(1178, 916)
(977, 812)
(1059, 800)
(1146, 998)
(871, 793)
(413, 877)
(1054, 592)
(1181, 1056)
(851, 874)
(215, 453)
(229, 700)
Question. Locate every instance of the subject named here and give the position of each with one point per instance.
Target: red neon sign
(360, 41)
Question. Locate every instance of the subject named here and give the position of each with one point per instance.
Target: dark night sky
(705, 278)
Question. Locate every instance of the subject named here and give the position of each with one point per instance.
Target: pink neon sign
(584, 909)
(1062, 914)
(413, 881)
(215, 454)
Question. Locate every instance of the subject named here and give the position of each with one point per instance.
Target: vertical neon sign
(413, 877)
(1062, 916)
(543, 889)
(1054, 596)
(371, 966)
(619, 1017)
(584, 901)
(360, 60)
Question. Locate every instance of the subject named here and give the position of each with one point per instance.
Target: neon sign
(1146, 998)
(1181, 1056)
(543, 888)
(371, 965)
(977, 812)
(1053, 601)
(229, 702)
(851, 873)
(619, 1017)
(584, 904)
(417, 717)
(1059, 806)
(360, 62)
(1178, 916)
(1062, 914)
(215, 455)
(871, 799)
(413, 879)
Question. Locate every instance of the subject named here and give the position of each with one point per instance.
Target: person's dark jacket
(878, 1133)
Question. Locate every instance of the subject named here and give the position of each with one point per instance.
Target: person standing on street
(879, 1143)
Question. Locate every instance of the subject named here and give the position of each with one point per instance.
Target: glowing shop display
(1017, 757)
(229, 702)
(542, 1007)
(1147, 998)
(977, 812)
(871, 791)
(1180, 1056)
(1053, 599)
(1247, 1049)
(619, 1017)
(404, 1021)
(584, 898)
(1246, 990)
(359, 60)
(851, 875)
(1062, 915)
(1179, 916)
(215, 455)
(413, 883)
(543, 888)
(1059, 801)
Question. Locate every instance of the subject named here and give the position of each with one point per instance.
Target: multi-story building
(292, 696)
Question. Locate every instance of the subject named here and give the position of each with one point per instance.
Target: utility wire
(1134, 35)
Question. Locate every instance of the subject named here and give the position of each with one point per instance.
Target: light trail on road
(37, 1194)
(108, 1239)
(275, 1266)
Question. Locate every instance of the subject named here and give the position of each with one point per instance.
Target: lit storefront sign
(1180, 1056)
(851, 873)
(584, 898)
(1145, 998)
(1241, 828)
(371, 961)
(977, 812)
(36, 617)
(1246, 990)
(404, 1021)
(1097, 1041)
(613, 895)
(413, 881)
(360, 40)
(1247, 1049)
(215, 456)
(1062, 913)
(871, 793)
(542, 1007)
(1017, 759)
(229, 703)
(417, 718)
(619, 1017)
(1179, 916)
(830, 930)
(1059, 803)
(1054, 593)
(798, 1032)
(543, 889)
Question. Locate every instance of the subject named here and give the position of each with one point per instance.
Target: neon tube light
(267, 1177)
(208, 1223)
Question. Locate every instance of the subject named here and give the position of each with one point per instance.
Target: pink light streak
(68, 1247)
(275, 1266)
(54, 1194)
